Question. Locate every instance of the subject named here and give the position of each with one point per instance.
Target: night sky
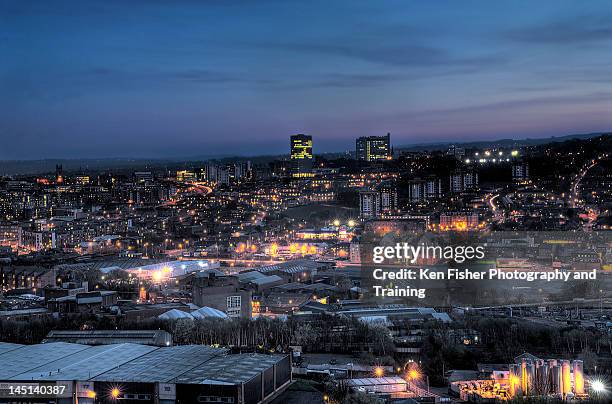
(161, 78)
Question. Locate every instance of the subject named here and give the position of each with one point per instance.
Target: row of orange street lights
(114, 393)
(412, 372)
(350, 223)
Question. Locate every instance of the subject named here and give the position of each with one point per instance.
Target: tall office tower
(420, 190)
(373, 148)
(301, 155)
(211, 172)
(387, 191)
(457, 152)
(378, 201)
(520, 171)
(470, 180)
(460, 181)
(433, 188)
(143, 176)
(59, 174)
(225, 174)
(369, 204)
(416, 190)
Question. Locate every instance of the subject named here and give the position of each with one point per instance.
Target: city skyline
(281, 201)
(154, 80)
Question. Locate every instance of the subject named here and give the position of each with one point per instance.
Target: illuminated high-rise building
(59, 174)
(301, 155)
(369, 204)
(378, 201)
(373, 148)
(520, 171)
(462, 181)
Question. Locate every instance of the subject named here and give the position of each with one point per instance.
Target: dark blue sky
(182, 78)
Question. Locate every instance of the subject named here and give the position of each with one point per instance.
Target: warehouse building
(105, 337)
(127, 373)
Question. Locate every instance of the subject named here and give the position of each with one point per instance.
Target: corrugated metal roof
(249, 276)
(7, 346)
(206, 312)
(109, 337)
(189, 364)
(267, 279)
(175, 314)
(229, 368)
(291, 267)
(376, 381)
(30, 357)
(86, 363)
(257, 278)
(162, 365)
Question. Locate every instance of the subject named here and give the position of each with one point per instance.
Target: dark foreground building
(106, 337)
(138, 374)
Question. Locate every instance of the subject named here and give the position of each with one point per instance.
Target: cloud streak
(586, 29)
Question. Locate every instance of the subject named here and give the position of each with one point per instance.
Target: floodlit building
(161, 271)
(393, 388)
(185, 176)
(528, 376)
(458, 221)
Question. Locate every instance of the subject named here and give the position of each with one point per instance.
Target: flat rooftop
(128, 362)
(7, 346)
(103, 337)
(229, 369)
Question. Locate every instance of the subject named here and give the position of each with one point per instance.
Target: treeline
(326, 334)
(507, 338)
(503, 339)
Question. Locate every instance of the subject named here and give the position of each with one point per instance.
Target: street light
(598, 386)
(414, 373)
(115, 393)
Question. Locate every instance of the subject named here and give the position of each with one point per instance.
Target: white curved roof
(174, 314)
(375, 320)
(205, 312)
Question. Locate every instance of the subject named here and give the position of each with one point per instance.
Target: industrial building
(215, 289)
(60, 372)
(105, 337)
(528, 376)
(394, 388)
(163, 270)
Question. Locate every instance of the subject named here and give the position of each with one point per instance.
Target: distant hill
(499, 142)
(32, 167)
